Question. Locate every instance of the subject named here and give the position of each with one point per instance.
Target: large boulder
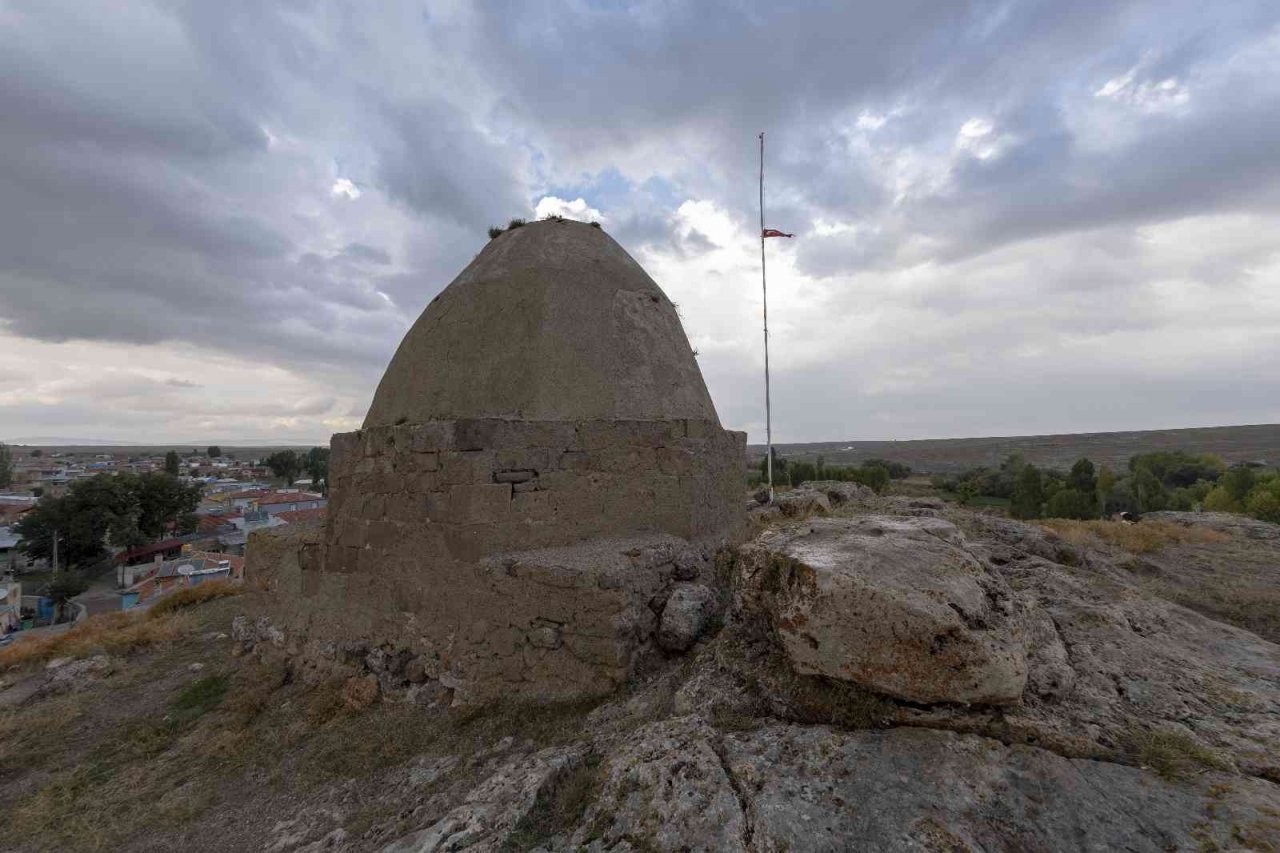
(896, 605)
(685, 616)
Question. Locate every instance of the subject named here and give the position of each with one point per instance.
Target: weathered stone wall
(512, 557)
(470, 488)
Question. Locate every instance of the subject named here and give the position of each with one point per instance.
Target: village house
(189, 569)
(289, 501)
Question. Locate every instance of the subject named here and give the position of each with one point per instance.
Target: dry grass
(191, 596)
(106, 633)
(559, 806)
(1141, 538)
(1171, 754)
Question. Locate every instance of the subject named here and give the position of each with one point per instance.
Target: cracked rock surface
(1128, 722)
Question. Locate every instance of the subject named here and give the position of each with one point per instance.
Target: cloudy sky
(1024, 216)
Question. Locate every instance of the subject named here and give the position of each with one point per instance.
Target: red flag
(774, 232)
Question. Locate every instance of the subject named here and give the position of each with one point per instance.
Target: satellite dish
(187, 570)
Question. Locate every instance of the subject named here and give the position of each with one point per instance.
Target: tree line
(1163, 480)
(874, 473)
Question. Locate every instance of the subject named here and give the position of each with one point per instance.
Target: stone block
(536, 459)
(480, 503)
(431, 436)
(438, 506)
(407, 507)
(517, 476)
(700, 429)
(525, 486)
(424, 462)
(469, 466)
(532, 507)
(625, 460)
(594, 435)
(377, 441)
(421, 484)
(575, 460)
(383, 535)
(483, 434)
(674, 460)
(351, 534)
(347, 562)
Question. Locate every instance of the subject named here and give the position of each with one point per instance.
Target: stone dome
(551, 321)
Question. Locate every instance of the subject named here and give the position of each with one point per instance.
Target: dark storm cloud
(291, 183)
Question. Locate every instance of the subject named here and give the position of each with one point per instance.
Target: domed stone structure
(541, 468)
(552, 321)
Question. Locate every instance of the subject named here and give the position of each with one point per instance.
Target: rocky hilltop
(540, 616)
(864, 674)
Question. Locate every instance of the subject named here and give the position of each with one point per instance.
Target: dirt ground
(170, 741)
(182, 746)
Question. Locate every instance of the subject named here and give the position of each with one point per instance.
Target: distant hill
(1258, 443)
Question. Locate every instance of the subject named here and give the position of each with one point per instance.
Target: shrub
(1140, 538)
(495, 231)
(1072, 503)
(515, 223)
(191, 596)
(1220, 500)
(1264, 501)
(111, 633)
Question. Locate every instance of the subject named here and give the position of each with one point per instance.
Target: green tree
(779, 467)
(1106, 486)
(966, 492)
(872, 476)
(1028, 493)
(1177, 469)
(1072, 503)
(1264, 500)
(172, 462)
(1220, 500)
(1147, 491)
(1238, 480)
(897, 470)
(64, 587)
(123, 510)
(285, 464)
(214, 451)
(37, 453)
(1082, 477)
(318, 467)
(6, 466)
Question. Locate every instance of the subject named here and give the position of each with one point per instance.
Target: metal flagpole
(764, 288)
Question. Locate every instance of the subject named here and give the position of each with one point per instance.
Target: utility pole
(764, 288)
(55, 551)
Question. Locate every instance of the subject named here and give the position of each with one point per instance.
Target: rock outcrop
(896, 605)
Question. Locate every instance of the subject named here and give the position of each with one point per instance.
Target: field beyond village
(1257, 443)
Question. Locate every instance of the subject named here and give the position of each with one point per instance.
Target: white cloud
(343, 187)
(978, 137)
(578, 209)
(1148, 95)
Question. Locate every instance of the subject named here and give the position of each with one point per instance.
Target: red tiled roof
(294, 516)
(213, 522)
(288, 498)
(9, 513)
(149, 550)
(248, 493)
